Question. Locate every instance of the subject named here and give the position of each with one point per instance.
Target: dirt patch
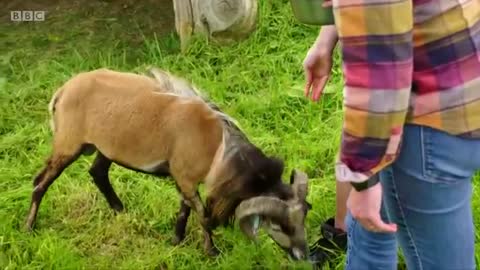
(86, 26)
(150, 16)
(158, 13)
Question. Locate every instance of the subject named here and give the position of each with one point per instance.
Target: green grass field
(258, 81)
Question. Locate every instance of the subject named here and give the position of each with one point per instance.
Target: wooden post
(183, 21)
(220, 20)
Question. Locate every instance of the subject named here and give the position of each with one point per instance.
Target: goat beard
(220, 212)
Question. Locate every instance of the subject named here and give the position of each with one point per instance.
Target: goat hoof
(176, 240)
(213, 252)
(29, 225)
(118, 207)
(29, 228)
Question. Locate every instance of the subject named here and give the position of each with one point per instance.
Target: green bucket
(311, 12)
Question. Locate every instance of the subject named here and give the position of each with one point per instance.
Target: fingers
(314, 86)
(375, 224)
(318, 86)
(308, 85)
(326, 4)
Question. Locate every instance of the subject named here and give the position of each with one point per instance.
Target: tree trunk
(220, 20)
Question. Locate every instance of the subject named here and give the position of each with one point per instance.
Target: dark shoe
(331, 245)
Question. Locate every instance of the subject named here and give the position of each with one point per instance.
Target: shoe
(331, 245)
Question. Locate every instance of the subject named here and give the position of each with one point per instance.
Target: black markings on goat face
(289, 232)
(281, 212)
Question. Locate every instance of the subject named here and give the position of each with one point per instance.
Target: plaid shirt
(405, 61)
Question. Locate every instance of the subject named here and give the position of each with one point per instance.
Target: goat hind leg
(55, 165)
(99, 173)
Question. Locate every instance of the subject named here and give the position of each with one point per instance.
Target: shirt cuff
(344, 174)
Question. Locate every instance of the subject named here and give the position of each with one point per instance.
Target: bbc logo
(27, 16)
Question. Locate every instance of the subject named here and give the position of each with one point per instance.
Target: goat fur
(162, 127)
(240, 170)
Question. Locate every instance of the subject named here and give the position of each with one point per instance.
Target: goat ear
(292, 176)
(299, 182)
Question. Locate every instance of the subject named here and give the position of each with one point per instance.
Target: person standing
(318, 65)
(411, 132)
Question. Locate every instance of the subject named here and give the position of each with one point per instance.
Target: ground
(258, 81)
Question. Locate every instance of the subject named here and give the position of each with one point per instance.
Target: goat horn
(256, 207)
(299, 182)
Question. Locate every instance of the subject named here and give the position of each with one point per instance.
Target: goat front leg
(181, 223)
(192, 198)
(205, 222)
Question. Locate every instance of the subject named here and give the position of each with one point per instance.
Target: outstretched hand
(318, 62)
(317, 66)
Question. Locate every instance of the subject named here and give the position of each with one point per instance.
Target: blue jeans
(427, 193)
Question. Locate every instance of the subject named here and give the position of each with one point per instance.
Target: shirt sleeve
(375, 39)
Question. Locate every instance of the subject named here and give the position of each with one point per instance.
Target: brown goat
(163, 126)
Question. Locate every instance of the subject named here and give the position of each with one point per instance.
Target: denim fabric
(427, 193)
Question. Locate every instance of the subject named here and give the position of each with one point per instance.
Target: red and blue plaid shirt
(405, 61)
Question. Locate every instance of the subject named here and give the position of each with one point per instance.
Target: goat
(162, 125)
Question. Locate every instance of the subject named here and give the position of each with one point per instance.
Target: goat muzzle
(250, 213)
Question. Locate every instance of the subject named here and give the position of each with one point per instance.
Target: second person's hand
(327, 3)
(318, 62)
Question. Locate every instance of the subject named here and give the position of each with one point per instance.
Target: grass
(258, 81)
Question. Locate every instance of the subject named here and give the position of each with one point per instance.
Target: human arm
(377, 51)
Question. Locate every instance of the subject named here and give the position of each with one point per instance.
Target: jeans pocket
(447, 158)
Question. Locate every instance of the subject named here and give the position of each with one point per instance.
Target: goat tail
(51, 107)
